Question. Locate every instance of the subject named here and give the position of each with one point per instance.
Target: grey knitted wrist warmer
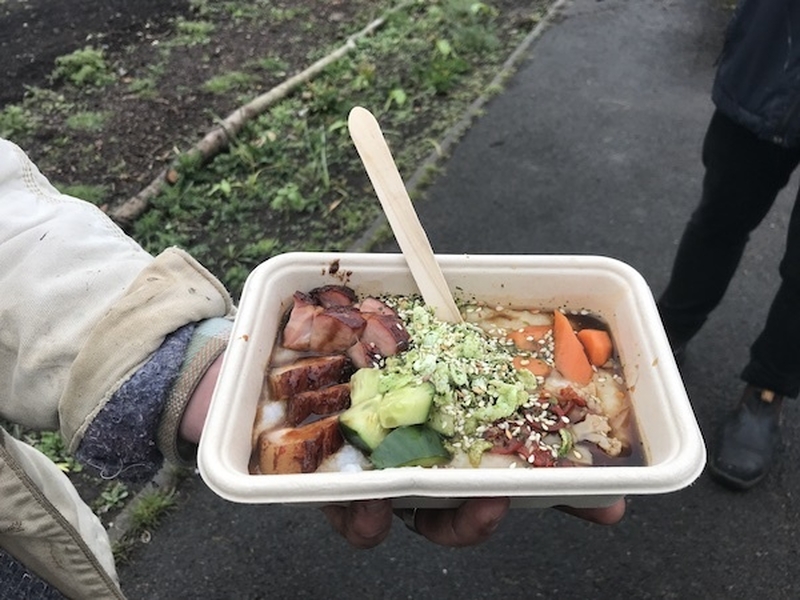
(209, 340)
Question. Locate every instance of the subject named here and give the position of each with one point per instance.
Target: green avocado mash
(472, 373)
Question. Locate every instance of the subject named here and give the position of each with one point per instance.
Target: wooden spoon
(403, 219)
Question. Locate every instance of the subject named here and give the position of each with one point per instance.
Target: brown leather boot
(748, 440)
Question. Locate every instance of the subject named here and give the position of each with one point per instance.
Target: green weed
(149, 508)
(146, 85)
(277, 14)
(289, 198)
(47, 102)
(96, 194)
(51, 444)
(15, 121)
(272, 64)
(113, 496)
(192, 33)
(87, 121)
(228, 82)
(85, 67)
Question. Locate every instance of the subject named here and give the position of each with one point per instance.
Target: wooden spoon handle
(403, 219)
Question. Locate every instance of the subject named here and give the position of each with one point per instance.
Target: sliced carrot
(535, 365)
(527, 338)
(570, 357)
(597, 344)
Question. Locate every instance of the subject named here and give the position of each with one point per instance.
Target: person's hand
(366, 523)
(605, 515)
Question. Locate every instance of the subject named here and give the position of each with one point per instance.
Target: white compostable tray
(613, 290)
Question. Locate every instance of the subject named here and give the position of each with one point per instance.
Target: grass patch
(146, 512)
(146, 86)
(16, 120)
(96, 194)
(228, 82)
(192, 33)
(292, 179)
(113, 496)
(52, 446)
(149, 508)
(89, 120)
(84, 67)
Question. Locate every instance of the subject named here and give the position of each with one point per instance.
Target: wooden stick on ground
(217, 139)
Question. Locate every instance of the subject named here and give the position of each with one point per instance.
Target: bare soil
(34, 33)
(140, 137)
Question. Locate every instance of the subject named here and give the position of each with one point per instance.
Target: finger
(605, 515)
(364, 523)
(471, 523)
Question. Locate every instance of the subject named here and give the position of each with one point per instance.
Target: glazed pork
(331, 334)
(325, 401)
(307, 374)
(327, 320)
(299, 449)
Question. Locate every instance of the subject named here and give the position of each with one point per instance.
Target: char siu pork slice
(333, 295)
(307, 374)
(325, 401)
(384, 334)
(373, 305)
(312, 328)
(335, 329)
(299, 449)
(363, 355)
(298, 329)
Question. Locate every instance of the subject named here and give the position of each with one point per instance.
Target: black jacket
(758, 77)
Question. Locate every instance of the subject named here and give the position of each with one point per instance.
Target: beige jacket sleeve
(82, 304)
(170, 292)
(82, 307)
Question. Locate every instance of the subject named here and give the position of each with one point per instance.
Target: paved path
(592, 148)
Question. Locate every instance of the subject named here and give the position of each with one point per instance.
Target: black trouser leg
(743, 177)
(775, 355)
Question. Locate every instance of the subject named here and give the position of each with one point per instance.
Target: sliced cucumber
(408, 405)
(361, 426)
(364, 385)
(441, 422)
(415, 445)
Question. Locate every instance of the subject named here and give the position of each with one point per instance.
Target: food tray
(605, 286)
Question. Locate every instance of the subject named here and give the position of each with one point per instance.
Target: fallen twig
(218, 138)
